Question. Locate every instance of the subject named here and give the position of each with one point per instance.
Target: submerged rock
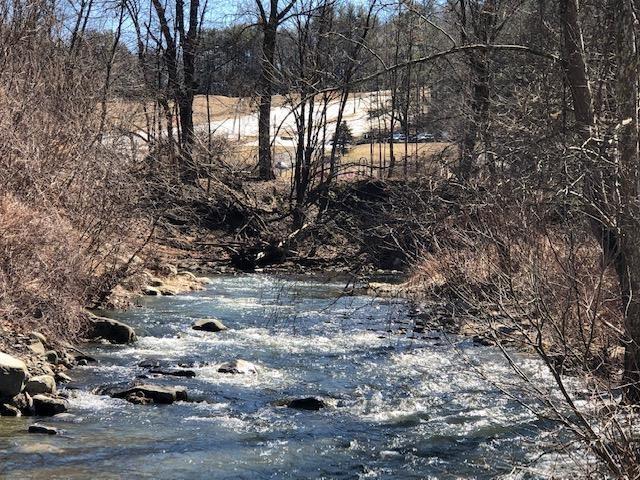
(40, 384)
(111, 330)
(173, 372)
(37, 428)
(13, 374)
(48, 406)
(81, 357)
(143, 394)
(238, 366)
(209, 325)
(308, 403)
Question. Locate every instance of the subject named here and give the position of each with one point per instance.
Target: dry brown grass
(70, 203)
(44, 277)
(552, 287)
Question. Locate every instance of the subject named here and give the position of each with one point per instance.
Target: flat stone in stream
(173, 372)
(238, 366)
(209, 325)
(37, 428)
(144, 394)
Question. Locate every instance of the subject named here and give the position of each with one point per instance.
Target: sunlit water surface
(401, 407)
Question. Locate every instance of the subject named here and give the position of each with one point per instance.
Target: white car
(425, 137)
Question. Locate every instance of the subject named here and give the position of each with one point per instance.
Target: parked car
(398, 137)
(425, 137)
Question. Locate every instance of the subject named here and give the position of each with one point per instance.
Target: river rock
(13, 374)
(173, 372)
(209, 325)
(151, 291)
(188, 275)
(155, 363)
(152, 394)
(8, 410)
(81, 357)
(39, 337)
(37, 428)
(308, 403)
(238, 366)
(168, 291)
(24, 403)
(48, 406)
(111, 330)
(40, 384)
(37, 347)
(62, 377)
(52, 357)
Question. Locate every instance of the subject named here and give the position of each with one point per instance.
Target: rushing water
(400, 407)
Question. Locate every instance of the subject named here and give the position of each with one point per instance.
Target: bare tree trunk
(621, 245)
(107, 79)
(628, 258)
(186, 94)
(180, 76)
(265, 167)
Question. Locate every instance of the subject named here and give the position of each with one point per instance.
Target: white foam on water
(264, 378)
(83, 400)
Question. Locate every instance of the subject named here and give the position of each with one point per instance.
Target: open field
(236, 120)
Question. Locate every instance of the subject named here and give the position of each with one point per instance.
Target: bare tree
(179, 53)
(270, 18)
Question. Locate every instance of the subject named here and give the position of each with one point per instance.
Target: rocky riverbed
(280, 378)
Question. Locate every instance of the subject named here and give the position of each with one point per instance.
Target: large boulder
(111, 330)
(13, 374)
(238, 366)
(151, 394)
(45, 406)
(209, 325)
(40, 384)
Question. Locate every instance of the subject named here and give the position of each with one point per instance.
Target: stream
(399, 407)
